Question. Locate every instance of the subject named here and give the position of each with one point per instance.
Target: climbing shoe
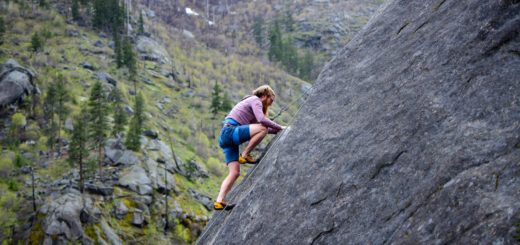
(223, 205)
(246, 159)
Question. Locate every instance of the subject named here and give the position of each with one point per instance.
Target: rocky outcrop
(62, 216)
(15, 83)
(136, 179)
(151, 50)
(329, 25)
(117, 154)
(409, 136)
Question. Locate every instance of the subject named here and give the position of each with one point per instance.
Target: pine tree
(120, 118)
(75, 10)
(288, 20)
(275, 42)
(2, 30)
(289, 56)
(258, 31)
(133, 139)
(108, 13)
(98, 115)
(227, 104)
(129, 57)
(118, 50)
(36, 43)
(99, 13)
(62, 96)
(141, 23)
(307, 65)
(216, 100)
(78, 150)
(49, 108)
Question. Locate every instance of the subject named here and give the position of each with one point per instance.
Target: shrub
(214, 166)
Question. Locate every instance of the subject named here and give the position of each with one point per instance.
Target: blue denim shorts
(231, 136)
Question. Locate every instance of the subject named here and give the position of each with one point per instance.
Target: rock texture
(410, 136)
(15, 83)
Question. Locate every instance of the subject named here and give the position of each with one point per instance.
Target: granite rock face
(15, 83)
(410, 136)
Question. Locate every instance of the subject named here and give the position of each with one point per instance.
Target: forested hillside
(109, 113)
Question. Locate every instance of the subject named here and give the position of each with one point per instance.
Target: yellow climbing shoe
(223, 205)
(246, 159)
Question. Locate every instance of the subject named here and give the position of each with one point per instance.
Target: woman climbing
(246, 121)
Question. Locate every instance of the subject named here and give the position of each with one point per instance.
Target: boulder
(205, 200)
(62, 215)
(120, 210)
(151, 134)
(138, 219)
(162, 180)
(99, 44)
(188, 34)
(136, 179)
(87, 65)
(99, 189)
(129, 110)
(150, 49)
(105, 77)
(117, 154)
(15, 83)
(409, 136)
(110, 235)
(72, 33)
(192, 170)
(69, 124)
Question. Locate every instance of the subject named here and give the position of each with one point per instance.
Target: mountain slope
(410, 136)
(126, 203)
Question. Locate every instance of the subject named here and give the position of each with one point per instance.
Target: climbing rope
(269, 146)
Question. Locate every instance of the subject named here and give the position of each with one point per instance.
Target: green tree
(78, 150)
(129, 58)
(216, 100)
(9, 206)
(43, 3)
(108, 13)
(98, 117)
(288, 20)
(36, 43)
(118, 50)
(133, 138)
(141, 23)
(18, 122)
(120, 118)
(75, 10)
(227, 104)
(275, 42)
(307, 65)
(62, 97)
(49, 108)
(289, 56)
(258, 31)
(2, 30)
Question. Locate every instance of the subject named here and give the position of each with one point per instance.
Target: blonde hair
(264, 90)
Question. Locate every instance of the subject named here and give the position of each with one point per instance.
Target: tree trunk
(167, 222)
(100, 161)
(81, 182)
(33, 192)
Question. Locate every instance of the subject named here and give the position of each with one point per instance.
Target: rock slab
(409, 136)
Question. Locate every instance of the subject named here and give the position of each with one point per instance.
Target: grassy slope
(193, 127)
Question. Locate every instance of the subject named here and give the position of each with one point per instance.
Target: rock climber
(247, 121)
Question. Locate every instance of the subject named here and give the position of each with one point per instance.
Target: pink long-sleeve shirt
(249, 111)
